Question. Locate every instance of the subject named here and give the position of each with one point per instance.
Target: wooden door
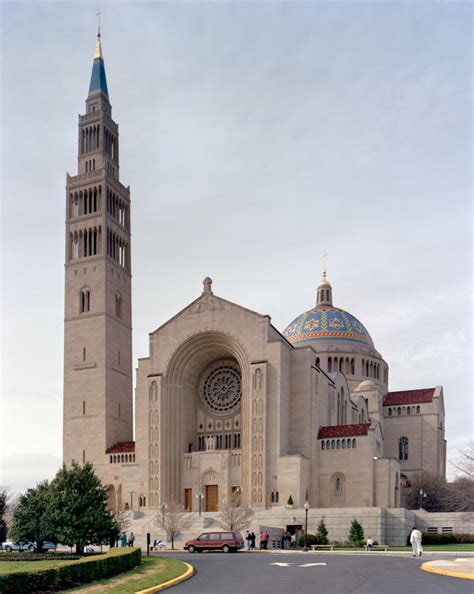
(212, 502)
(188, 500)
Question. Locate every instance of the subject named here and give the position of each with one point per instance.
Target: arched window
(330, 364)
(354, 443)
(343, 444)
(349, 444)
(399, 411)
(408, 410)
(333, 445)
(337, 484)
(328, 444)
(417, 410)
(118, 305)
(322, 445)
(389, 412)
(403, 448)
(84, 301)
(338, 444)
(317, 361)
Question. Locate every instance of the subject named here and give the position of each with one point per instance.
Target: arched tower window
(84, 301)
(337, 484)
(118, 305)
(403, 448)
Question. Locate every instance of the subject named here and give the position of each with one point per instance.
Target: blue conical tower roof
(98, 78)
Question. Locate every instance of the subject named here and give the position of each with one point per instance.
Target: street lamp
(306, 510)
(239, 490)
(131, 493)
(200, 496)
(423, 495)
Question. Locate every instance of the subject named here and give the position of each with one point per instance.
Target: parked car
(9, 546)
(215, 541)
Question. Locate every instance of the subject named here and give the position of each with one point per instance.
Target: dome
(365, 386)
(327, 323)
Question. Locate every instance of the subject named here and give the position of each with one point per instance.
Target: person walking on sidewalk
(415, 540)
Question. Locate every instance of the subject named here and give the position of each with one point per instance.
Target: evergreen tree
(30, 517)
(78, 514)
(3, 509)
(322, 533)
(356, 534)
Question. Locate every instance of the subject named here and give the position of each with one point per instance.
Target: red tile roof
(121, 446)
(409, 397)
(343, 430)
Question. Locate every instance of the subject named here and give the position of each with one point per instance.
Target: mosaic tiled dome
(326, 322)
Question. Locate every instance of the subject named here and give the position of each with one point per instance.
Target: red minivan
(215, 541)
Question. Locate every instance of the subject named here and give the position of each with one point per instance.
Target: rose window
(220, 388)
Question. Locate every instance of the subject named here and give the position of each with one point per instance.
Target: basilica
(226, 406)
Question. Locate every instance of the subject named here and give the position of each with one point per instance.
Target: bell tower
(98, 319)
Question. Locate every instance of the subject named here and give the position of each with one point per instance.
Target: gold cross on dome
(324, 264)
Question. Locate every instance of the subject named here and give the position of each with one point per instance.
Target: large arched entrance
(205, 411)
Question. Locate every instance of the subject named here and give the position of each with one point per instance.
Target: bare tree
(233, 516)
(121, 517)
(465, 462)
(173, 520)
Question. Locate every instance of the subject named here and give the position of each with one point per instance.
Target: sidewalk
(460, 568)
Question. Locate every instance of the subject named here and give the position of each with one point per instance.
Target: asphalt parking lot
(314, 573)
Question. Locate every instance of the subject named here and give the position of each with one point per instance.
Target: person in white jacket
(415, 540)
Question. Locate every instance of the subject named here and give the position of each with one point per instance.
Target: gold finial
(324, 265)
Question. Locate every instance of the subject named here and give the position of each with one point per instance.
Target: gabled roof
(121, 447)
(343, 430)
(409, 397)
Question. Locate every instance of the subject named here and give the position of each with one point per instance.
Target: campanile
(98, 319)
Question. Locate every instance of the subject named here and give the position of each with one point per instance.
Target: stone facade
(225, 404)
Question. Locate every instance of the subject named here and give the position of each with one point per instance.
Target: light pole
(306, 510)
(131, 493)
(163, 506)
(200, 496)
(423, 495)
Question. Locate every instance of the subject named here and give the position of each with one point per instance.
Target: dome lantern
(324, 290)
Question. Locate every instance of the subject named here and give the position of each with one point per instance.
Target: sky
(255, 136)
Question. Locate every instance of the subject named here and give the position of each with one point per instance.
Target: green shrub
(290, 500)
(310, 540)
(356, 534)
(322, 533)
(85, 570)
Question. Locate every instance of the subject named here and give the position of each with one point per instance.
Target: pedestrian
(415, 540)
(293, 541)
(264, 540)
(123, 539)
(248, 540)
(252, 540)
(370, 543)
(131, 539)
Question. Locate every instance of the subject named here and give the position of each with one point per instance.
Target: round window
(220, 387)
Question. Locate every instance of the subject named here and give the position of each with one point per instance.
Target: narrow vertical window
(83, 456)
(83, 407)
(84, 353)
(119, 412)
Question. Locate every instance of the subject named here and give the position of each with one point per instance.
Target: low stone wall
(386, 525)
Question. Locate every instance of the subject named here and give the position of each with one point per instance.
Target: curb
(456, 574)
(177, 580)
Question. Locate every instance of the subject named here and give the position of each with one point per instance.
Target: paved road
(219, 573)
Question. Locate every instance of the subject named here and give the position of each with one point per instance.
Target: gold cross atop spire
(98, 47)
(98, 13)
(324, 265)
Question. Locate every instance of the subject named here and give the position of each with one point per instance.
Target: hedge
(63, 576)
(445, 539)
(42, 556)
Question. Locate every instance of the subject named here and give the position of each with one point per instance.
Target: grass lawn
(152, 571)
(9, 566)
(441, 547)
